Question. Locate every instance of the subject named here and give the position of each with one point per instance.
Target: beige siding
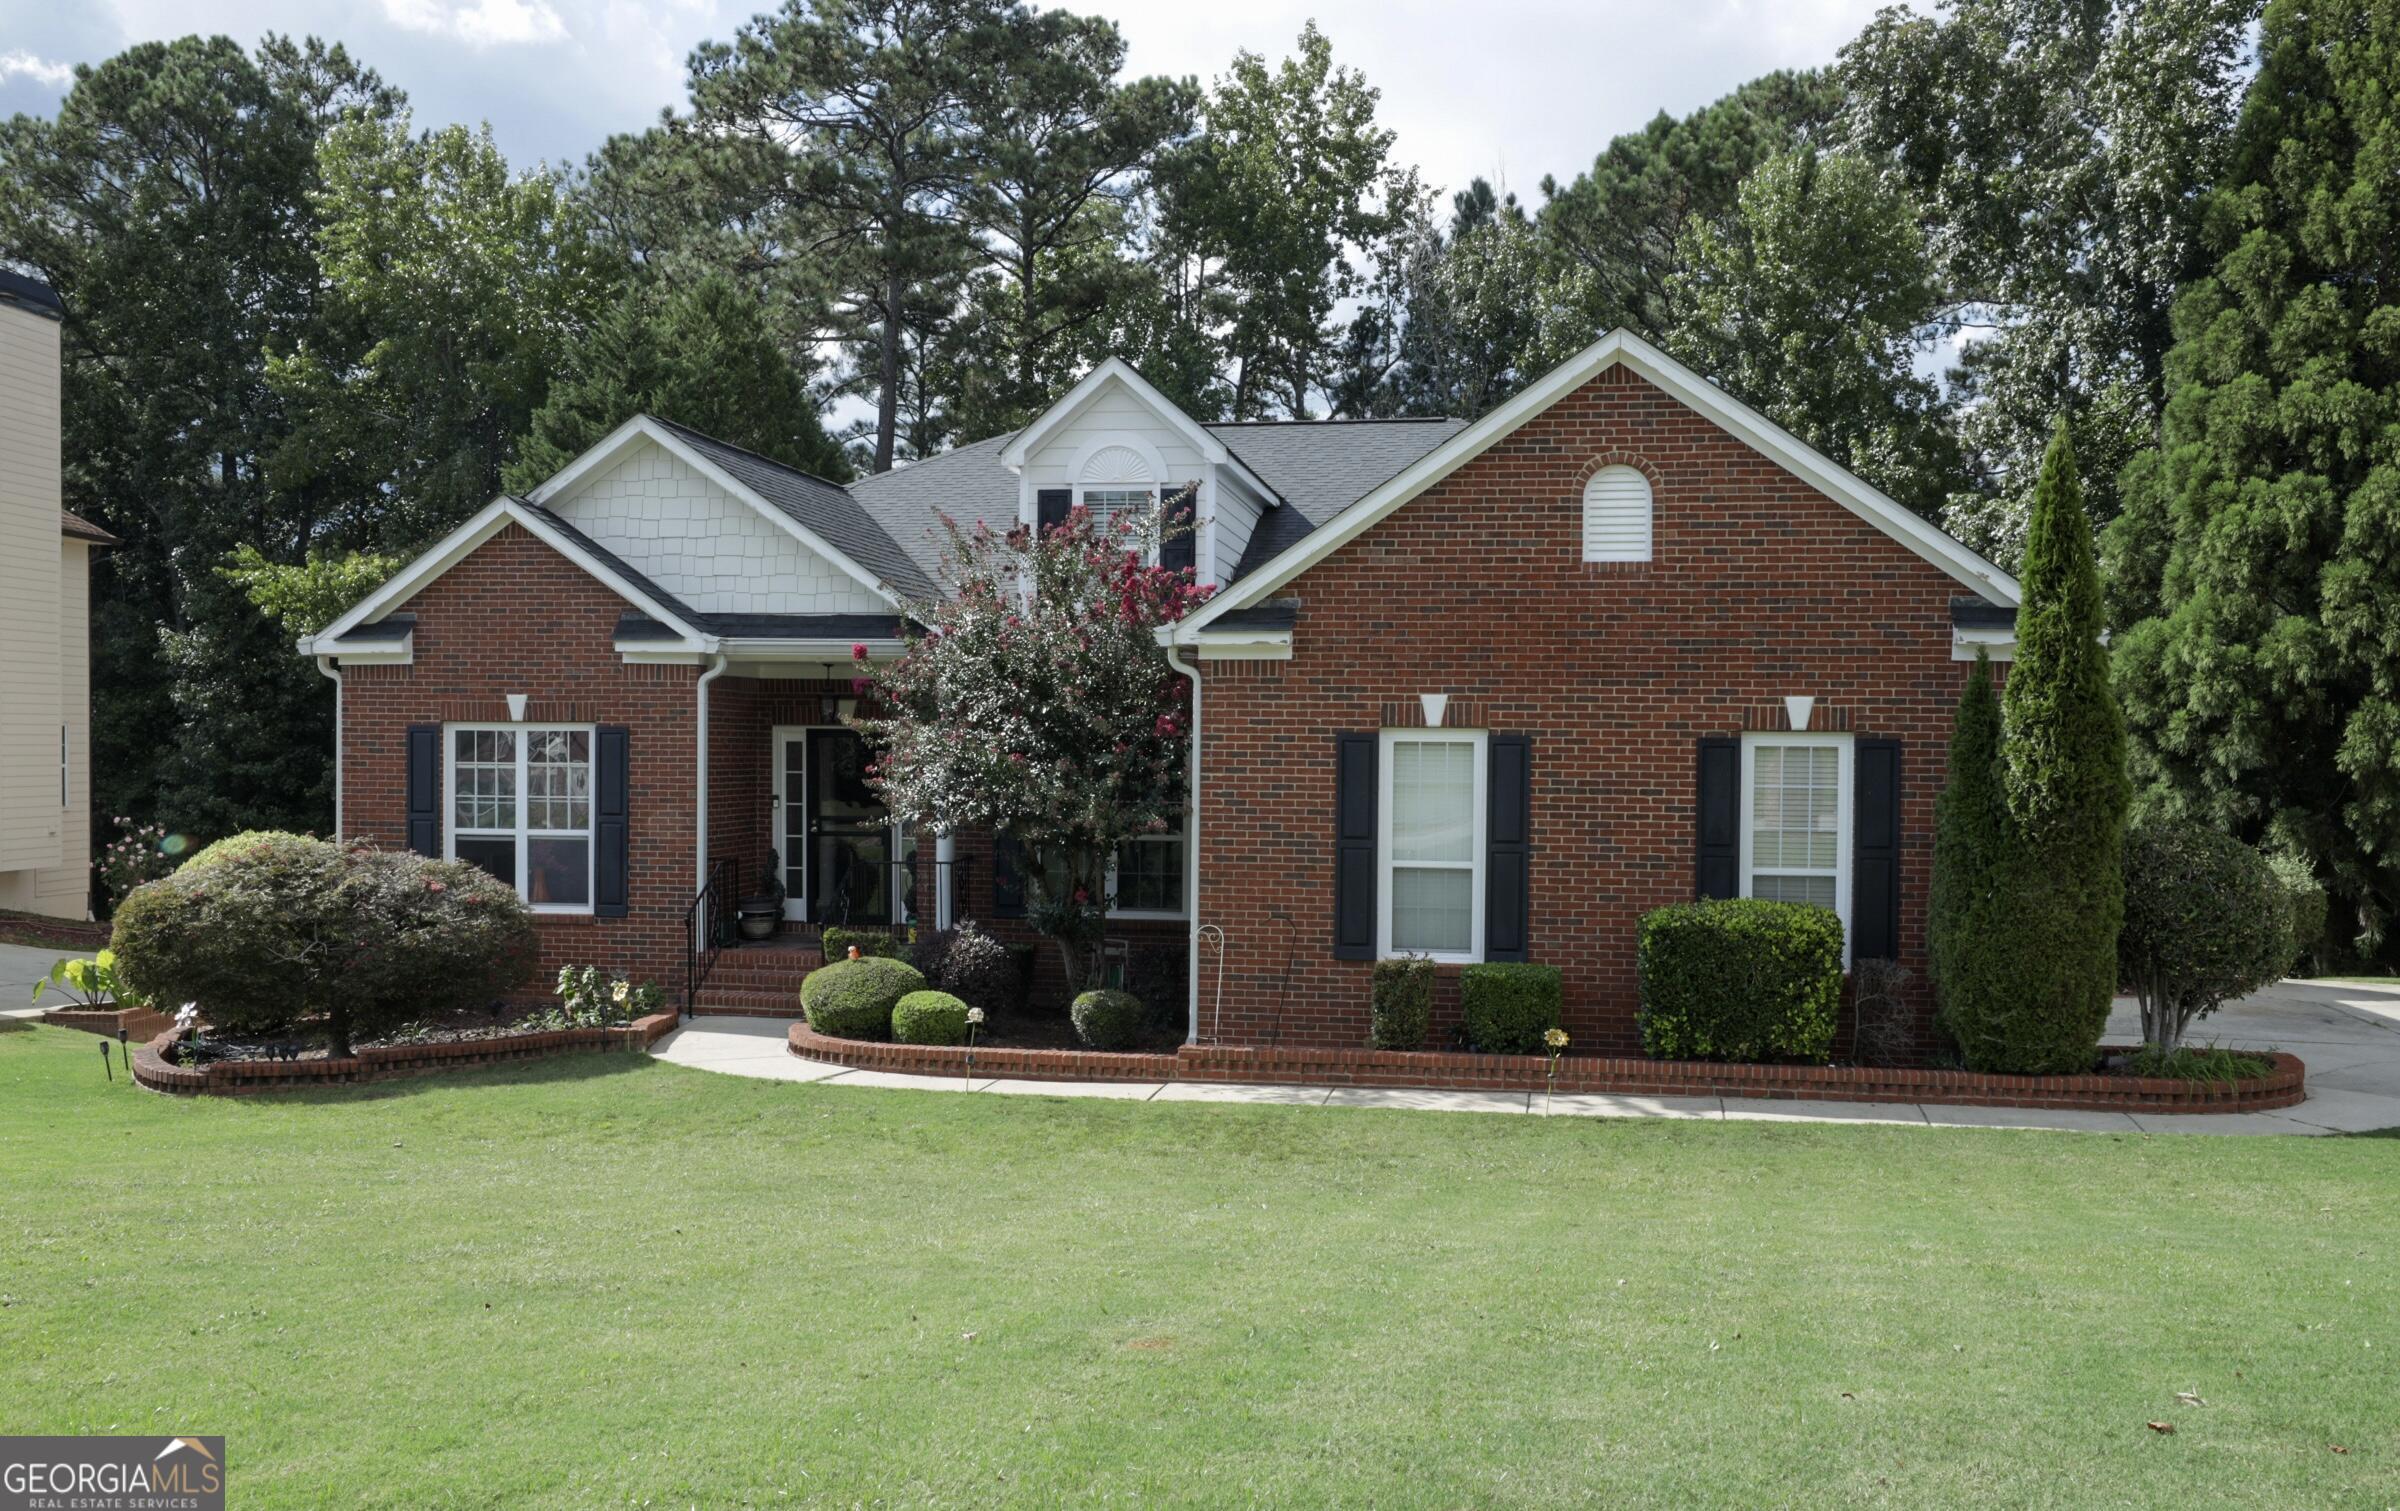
(32, 819)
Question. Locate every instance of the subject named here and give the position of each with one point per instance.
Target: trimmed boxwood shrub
(929, 1017)
(1508, 1007)
(265, 929)
(872, 944)
(1108, 1019)
(1403, 1003)
(1740, 979)
(853, 999)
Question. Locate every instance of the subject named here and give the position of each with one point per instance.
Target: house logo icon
(112, 1474)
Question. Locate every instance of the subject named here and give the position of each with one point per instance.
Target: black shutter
(1354, 847)
(1008, 877)
(1508, 852)
(1875, 853)
(1181, 552)
(1050, 506)
(425, 789)
(1717, 868)
(612, 791)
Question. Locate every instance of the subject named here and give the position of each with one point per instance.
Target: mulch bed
(459, 1026)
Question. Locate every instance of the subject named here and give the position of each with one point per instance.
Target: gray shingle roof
(1977, 614)
(633, 624)
(824, 508)
(1319, 468)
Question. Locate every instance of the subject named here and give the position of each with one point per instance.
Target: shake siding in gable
(1758, 588)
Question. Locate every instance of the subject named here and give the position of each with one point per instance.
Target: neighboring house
(45, 626)
(1483, 692)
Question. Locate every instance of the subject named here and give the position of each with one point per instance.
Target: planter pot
(760, 925)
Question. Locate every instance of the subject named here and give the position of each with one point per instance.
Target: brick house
(1482, 691)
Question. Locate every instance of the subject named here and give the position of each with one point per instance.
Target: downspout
(1191, 853)
(326, 665)
(700, 805)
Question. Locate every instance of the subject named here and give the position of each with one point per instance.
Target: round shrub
(1740, 979)
(1403, 1003)
(1108, 1019)
(853, 999)
(929, 1018)
(1508, 1007)
(264, 930)
(973, 967)
(2206, 921)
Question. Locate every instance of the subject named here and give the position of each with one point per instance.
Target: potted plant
(760, 914)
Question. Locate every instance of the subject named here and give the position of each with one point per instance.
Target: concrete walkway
(2349, 1036)
(21, 965)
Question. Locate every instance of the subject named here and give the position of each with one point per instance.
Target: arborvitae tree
(2063, 768)
(702, 358)
(2263, 684)
(1971, 837)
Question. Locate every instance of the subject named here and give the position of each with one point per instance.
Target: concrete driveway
(21, 965)
(2347, 1035)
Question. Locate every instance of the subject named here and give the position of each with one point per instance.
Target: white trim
(1245, 645)
(2000, 642)
(700, 788)
(1845, 821)
(563, 484)
(779, 736)
(1022, 446)
(462, 542)
(325, 665)
(1390, 739)
(1191, 863)
(1730, 414)
(1111, 440)
(523, 835)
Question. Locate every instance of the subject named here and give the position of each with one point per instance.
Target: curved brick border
(152, 1069)
(144, 1021)
(1288, 1065)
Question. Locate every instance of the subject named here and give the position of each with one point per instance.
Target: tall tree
(171, 202)
(1291, 178)
(458, 288)
(1622, 220)
(2264, 682)
(1811, 306)
(700, 357)
(862, 106)
(2060, 149)
(1062, 151)
(1966, 926)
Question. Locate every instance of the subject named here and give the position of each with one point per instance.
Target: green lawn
(610, 1281)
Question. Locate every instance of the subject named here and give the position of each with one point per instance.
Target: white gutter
(701, 804)
(326, 665)
(1191, 856)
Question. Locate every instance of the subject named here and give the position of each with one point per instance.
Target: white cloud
(479, 23)
(22, 64)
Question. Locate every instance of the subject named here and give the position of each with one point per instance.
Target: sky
(1508, 89)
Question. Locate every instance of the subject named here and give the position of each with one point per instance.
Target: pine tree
(2059, 886)
(2264, 685)
(1971, 836)
(703, 358)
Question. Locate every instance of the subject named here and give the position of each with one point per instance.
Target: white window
(521, 808)
(1115, 484)
(1796, 820)
(1146, 879)
(1431, 811)
(1616, 516)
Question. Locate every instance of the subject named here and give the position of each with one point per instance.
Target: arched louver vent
(1616, 516)
(1116, 464)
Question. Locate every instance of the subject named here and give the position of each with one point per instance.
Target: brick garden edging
(152, 1069)
(141, 1022)
(1301, 1065)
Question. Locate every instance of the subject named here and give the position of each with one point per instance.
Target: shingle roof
(30, 294)
(824, 508)
(83, 529)
(633, 624)
(1978, 614)
(1319, 468)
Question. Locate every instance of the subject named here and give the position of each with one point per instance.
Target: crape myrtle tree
(1037, 703)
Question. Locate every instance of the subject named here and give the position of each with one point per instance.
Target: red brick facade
(1758, 588)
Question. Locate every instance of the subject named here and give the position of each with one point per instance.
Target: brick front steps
(151, 1067)
(142, 1023)
(759, 980)
(1301, 1066)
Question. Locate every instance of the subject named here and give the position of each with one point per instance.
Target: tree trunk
(887, 396)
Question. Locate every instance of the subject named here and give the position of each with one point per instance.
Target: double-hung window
(1149, 876)
(1796, 829)
(1432, 845)
(521, 808)
(1109, 505)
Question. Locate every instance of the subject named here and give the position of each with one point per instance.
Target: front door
(849, 833)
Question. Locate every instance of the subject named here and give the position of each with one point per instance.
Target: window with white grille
(1616, 516)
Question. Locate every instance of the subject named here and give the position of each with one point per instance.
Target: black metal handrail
(705, 923)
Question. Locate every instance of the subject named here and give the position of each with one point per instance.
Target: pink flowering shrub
(137, 854)
(1037, 702)
(266, 931)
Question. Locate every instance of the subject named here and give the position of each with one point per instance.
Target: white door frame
(795, 908)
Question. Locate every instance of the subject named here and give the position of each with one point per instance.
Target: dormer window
(1114, 482)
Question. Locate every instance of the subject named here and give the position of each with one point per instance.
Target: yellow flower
(1556, 1038)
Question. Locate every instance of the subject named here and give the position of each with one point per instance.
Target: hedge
(853, 999)
(1740, 979)
(1403, 1003)
(929, 1017)
(836, 940)
(1507, 1007)
(1109, 1019)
